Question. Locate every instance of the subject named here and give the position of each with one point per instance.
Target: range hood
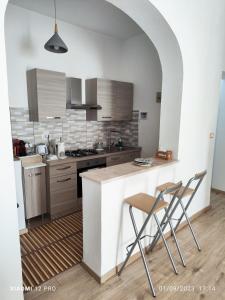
(74, 95)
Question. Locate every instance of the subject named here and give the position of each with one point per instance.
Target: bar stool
(185, 191)
(151, 205)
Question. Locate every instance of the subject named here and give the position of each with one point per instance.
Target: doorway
(218, 176)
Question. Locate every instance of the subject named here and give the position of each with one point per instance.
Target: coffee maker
(19, 148)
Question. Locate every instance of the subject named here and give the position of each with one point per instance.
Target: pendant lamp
(55, 43)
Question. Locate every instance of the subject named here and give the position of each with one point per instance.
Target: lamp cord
(56, 27)
(55, 9)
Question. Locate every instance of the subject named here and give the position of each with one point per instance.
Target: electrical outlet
(158, 97)
(45, 135)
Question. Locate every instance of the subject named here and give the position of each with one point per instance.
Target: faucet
(110, 131)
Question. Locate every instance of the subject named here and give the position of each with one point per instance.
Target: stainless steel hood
(74, 95)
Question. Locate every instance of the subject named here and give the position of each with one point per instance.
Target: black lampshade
(55, 44)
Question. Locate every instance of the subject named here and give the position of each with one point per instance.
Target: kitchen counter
(28, 166)
(107, 227)
(123, 170)
(32, 161)
(104, 153)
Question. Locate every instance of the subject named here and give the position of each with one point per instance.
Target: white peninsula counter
(107, 228)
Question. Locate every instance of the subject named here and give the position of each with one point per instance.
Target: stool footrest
(144, 236)
(174, 219)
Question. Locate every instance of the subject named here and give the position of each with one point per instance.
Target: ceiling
(97, 15)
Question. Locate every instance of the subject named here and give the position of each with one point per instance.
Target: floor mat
(51, 249)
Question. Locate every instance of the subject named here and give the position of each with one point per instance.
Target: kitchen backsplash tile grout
(75, 131)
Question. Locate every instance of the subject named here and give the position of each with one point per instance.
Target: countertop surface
(104, 153)
(27, 166)
(31, 161)
(108, 174)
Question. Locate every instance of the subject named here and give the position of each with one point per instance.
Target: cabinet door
(51, 94)
(106, 95)
(123, 104)
(35, 192)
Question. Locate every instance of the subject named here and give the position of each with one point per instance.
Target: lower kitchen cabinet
(62, 189)
(35, 192)
(121, 158)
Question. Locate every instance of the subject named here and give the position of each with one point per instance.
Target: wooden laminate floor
(204, 276)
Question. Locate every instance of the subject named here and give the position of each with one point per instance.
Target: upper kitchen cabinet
(114, 97)
(46, 94)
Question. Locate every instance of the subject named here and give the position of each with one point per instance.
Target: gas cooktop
(80, 152)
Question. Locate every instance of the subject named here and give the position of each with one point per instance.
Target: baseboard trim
(23, 231)
(218, 191)
(136, 256)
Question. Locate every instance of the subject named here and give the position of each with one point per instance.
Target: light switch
(211, 135)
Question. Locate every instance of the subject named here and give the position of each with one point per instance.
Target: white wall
(10, 263)
(141, 65)
(218, 180)
(200, 29)
(90, 54)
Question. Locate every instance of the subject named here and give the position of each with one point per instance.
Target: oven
(84, 166)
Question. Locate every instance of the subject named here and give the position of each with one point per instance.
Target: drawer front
(63, 202)
(114, 160)
(63, 182)
(122, 158)
(131, 156)
(63, 169)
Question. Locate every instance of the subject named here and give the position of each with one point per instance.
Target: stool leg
(189, 224)
(136, 241)
(164, 223)
(165, 243)
(176, 242)
(142, 254)
(157, 235)
(182, 215)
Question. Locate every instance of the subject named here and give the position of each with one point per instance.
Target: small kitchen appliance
(19, 148)
(42, 149)
(60, 149)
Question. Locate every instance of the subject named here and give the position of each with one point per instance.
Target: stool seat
(167, 185)
(145, 202)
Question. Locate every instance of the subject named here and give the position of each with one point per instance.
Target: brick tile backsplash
(75, 131)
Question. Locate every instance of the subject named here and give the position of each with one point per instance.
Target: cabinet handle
(37, 174)
(64, 180)
(106, 117)
(49, 117)
(65, 168)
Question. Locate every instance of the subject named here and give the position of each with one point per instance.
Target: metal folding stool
(151, 206)
(185, 191)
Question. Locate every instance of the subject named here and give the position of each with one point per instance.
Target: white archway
(158, 30)
(155, 26)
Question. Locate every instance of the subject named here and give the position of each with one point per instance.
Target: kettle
(42, 149)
